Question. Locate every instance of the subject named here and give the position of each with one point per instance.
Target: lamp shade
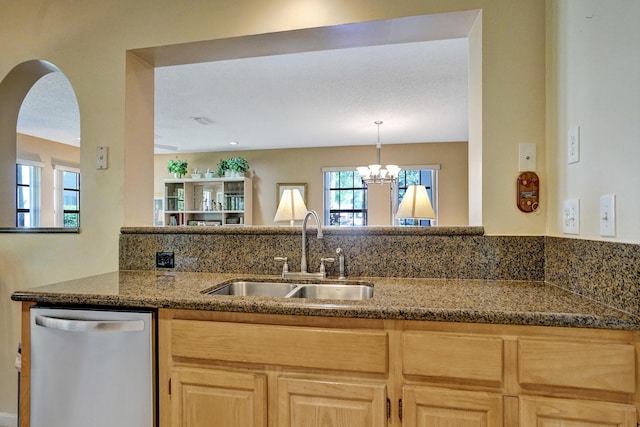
(415, 204)
(291, 206)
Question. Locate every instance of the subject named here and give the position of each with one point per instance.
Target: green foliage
(179, 167)
(221, 167)
(233, 164)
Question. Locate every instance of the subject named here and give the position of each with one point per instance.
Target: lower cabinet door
(437, 407)
(206, 397)
(552, 412)
(314, 403)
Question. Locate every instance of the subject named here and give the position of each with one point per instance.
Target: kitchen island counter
(451, 300)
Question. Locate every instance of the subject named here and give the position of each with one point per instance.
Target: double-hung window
(421, 175)
(67, 196)
(28, 200)
(345, 196)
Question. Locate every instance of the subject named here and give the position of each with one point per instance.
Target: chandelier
(376, 174)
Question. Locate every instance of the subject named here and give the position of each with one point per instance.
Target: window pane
(334, 179)
(71, 180)
(346, 179)
(425, 178)
(23, 174)
(334, 200)
(71, 220)
(413, 177)
(24, 219)
(346, 199)
(71, 200)
(23, 201)
(358, 199)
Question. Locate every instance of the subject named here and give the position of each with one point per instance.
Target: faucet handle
(322, 264)
(285, 265)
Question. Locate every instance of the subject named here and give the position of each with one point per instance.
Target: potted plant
(222, 167)
(178, 167)
(238, 165)
(234, 166)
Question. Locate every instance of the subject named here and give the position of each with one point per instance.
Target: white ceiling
(308, 99)
(50, 111)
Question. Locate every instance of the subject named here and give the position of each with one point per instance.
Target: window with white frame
(345, 196)
(28, 200)
(67, 196)
(421, 175)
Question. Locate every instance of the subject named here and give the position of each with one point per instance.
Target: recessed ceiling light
(233, 143)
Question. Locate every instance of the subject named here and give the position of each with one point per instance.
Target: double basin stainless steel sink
(343, 290)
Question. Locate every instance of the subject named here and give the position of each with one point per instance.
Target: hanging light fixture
(374, 174)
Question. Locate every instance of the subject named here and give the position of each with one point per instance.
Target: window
(345, 198)
(67, 197)
(27, 194)
(426, 177)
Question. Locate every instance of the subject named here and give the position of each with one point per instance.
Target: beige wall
(50, 153)
(594, 83)
(88, 42)
(268, 167)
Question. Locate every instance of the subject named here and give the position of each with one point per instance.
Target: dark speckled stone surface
(442, 274)
(438, 252)
(453, 300)
(604, 271)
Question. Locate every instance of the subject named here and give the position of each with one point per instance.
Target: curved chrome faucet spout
(303, 258)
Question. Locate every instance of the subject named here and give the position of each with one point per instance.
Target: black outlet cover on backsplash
(164, 260)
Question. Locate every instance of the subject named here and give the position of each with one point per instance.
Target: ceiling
(325, 97)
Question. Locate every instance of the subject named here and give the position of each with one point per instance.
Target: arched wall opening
(14, 88)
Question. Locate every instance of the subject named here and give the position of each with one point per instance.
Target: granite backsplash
(604, 271)
(607, 272)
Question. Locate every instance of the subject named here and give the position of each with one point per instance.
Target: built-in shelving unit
(208, 201)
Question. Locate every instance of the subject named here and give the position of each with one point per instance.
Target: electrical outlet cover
(573, 145)
(571, 216)
(164, 260)
(527, 157)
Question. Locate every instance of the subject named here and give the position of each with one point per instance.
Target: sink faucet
(303, 273)
(303, 258)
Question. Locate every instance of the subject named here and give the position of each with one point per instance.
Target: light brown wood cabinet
(553, 412)
(441, 407)
(282, 371)
(318, 403)
(231, 399)
(234, 370)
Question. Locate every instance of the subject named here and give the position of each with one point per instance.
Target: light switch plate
(573, 146)
(527, 157)
(608, 215)
(571, 216)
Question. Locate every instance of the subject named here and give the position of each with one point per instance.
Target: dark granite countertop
(476, 301)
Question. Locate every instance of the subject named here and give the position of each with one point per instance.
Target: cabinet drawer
(323, 348)
(440, 355)
(608, 367)
(543, 412)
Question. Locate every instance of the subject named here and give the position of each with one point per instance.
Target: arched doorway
(15, 88)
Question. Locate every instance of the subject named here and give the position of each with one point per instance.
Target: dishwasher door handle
(76, 325)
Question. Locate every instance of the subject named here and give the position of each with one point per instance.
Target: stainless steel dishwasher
(91, 368)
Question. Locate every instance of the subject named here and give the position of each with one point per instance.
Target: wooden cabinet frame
(391, 368)
(490, 370)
